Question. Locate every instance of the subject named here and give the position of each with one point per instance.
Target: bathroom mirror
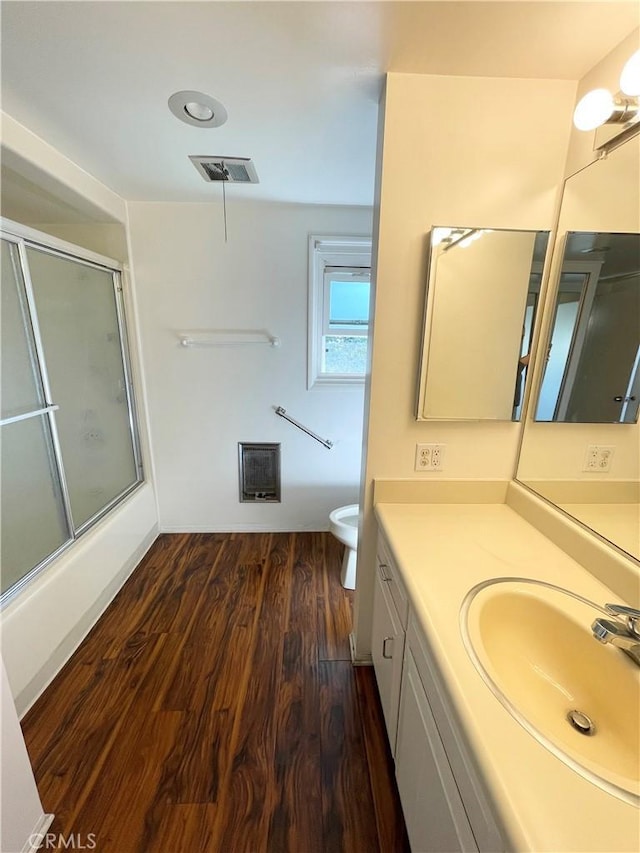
(483, 287)
(592, 359)
(591, 470)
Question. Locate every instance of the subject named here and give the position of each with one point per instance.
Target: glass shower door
(33, 521)
(78, 318)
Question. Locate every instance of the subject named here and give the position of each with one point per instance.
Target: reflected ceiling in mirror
(592, 370)
(483, 287)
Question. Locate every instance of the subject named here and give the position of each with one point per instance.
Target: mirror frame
(538, 267)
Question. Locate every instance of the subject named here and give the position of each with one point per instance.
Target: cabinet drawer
(390, 576)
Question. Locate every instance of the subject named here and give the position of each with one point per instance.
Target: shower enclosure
(69, 448)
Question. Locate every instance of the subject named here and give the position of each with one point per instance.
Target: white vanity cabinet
(433, 811)
(443, 801)
(390, 608)
(470, 776)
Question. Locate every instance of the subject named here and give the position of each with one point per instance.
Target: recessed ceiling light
(200, 112)
(197, 109)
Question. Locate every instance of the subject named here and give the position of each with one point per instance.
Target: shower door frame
(23, 238)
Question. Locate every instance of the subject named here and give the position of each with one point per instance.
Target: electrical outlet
(437, 457)
(429, 457)
(598, 458)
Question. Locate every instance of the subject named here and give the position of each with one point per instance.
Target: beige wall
(455, 150)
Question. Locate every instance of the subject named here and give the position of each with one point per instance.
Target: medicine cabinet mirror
(581, 443)
(483, 288)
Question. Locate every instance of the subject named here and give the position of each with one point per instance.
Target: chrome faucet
(623, 632)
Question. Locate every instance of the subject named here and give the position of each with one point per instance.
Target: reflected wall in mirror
(592, 470)
(483, 287)
(586, 379)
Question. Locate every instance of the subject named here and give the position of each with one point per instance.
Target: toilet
(343, 523)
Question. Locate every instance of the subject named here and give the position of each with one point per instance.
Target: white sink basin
(533, 645)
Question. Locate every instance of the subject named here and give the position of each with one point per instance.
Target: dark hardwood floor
(214, 707)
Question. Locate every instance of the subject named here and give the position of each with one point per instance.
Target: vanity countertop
(442, 551)
(619, 522)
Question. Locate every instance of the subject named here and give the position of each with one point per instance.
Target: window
(339, 291)
(68, 439)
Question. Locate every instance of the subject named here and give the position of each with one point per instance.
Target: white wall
(20, 806)
(456, 150)
(202, 402)
(55, 173)
(44, 624)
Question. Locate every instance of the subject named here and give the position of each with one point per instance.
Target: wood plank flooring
(214, 708)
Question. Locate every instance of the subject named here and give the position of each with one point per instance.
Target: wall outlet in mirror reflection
(598, 458)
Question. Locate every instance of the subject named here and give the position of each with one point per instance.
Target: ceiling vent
(234, 170)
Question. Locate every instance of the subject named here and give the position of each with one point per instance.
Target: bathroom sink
(533, 645)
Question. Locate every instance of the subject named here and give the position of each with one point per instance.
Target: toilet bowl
(343, 523)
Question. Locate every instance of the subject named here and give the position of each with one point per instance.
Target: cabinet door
(433, 811)
(387, 652)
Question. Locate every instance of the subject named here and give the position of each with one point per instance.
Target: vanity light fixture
(197, 109)
(630, 77)
(600, 107)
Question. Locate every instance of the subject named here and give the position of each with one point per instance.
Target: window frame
(350, 253)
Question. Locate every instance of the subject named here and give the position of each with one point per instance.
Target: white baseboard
(38, 833)
(364, 660)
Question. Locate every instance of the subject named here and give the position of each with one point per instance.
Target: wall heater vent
(259, 466)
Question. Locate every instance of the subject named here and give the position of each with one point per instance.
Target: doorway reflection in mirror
(587, 378)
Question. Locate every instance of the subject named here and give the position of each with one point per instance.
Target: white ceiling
(300, 80)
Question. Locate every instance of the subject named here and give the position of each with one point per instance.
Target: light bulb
(630, 77)
(200, 112)
(594, 109)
